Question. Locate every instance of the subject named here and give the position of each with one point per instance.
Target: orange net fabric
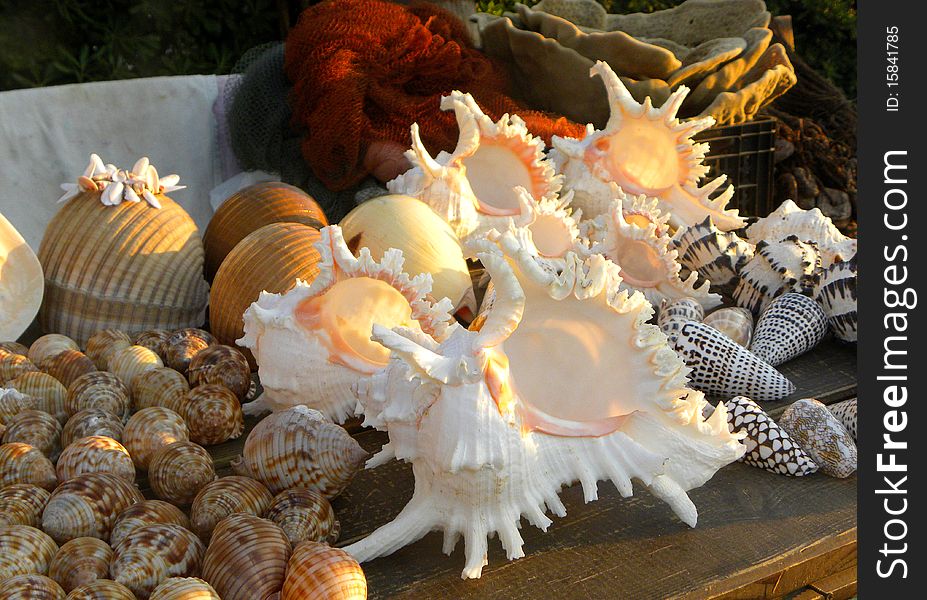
(364, 70)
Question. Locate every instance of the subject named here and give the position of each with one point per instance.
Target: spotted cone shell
(152, 553)
(846, 412)
(317, 570)
(95, 454)
(36, 428)
(791, 325)
(87, 506)
(50, 396)
(104, 343)
(179, 471)
(144, 513)
(99, 389)
(822, 435)
(184, 588)
(67, 366)
(219, 499)
(674, 314)
(24, 549)
(304, 515)
(222, 365)
(22, 504)
(213, 414)
(102, 589)
(49, 345)
(81, 561)
(32, 587)
(91, 421)
(247, 558)
(160, 387)
(22, 463)
(769, 447)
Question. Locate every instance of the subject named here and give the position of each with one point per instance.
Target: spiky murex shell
(716, 255)
(808, 226)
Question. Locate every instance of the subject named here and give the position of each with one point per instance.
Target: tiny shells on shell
(144, 513)
(103, 343)
(845, 411)
(769, 446)
(80, 561)
(151, 429)
(317, 570)
(791, 325)
(734, 322)
(14, 365)
(67, 366)
(22, 463)
(222, 365)
(50, 345)
(152, 553)
(822, 435)
(184, 588)
(26, 500)
(225, 496)
(32, 586)
(50, 396)
(91, 421)
(182, 345)
(304, 515)
(213, 414)
(160, 387)
(95, 454)
(87, 506)
(179, 471)
(24, 549)
(131, 361)
(247, 558)
(36, 428)
(102, 589)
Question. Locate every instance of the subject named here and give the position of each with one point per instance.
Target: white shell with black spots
(822, 436)
(674, 314)
(769, 447)
(846, 412)
(791, 325)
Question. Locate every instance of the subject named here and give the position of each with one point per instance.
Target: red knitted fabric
(365, 70)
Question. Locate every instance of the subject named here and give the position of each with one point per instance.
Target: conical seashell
(317, 570)
(153, 553)
(13, 348)
(26, 500)
(247, 558)
(67, 366)
(12, 402)
(24, 549)
(222, 365)
(674, 314)
(50, 396)
(160, 387)
(716, 255)
(99, 390)
(299, 447)
(808, 226)
(13, 366)
(131, 361)
(154, 340)
(721, 366)
(31, 586)
(103, 343)
(304, 515)
(178, 472)
(95, 454)
(144, 513)
(822, 435)
(213, 414)
(87, 505)
(36, 428)
(182, 345)
(91, 421)
(789, 265)
(836, 292)
(220, 498)
(50, 345)
(734, 322)
(769, 447)
(22, 285)
(845, 411)
(80, 561)
(184, 588)
(101, 589)
(21, 463)
(151, 429)
(791, 325)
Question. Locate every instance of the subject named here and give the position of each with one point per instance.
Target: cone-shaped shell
(836, 292)
(49, 345)
(103, 343)
(130, 267)
(178, 472)
(822, 436)
(845, 411)
(144, 513)
(734, 322)
(27, 500)
(247, 558)
(769, 446)
(12, 402)
(22, 463)
(154, 340)
(674, 314)
(95, 454)
(14, 365)
(304, 515)
(160, 387)
(24, 549)
(317, 570)
(153, 553)
(99, 389)
(791, 325)
(81, 561)
(213, 414)
(151, 429)
(129, 362)
(50, 396)
(67, 366)
(270, 259)
(250, 209)
(31, 587)
(182, 345)
(91, 421)
(36, 428)
(87, 506)
(222, 365)
(101, 589)
(301, 448)
(219, 499)
(21, 286)
(184, 588)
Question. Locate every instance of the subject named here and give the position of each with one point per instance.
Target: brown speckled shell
(103, 343)
(25, 549)
(87, 506)
(317, 570)
(304, 515)
(152, 553)
(225, 496)
(14, 365)
(184, 588)
(12, 402)
(99, 390)
(50, 345)
(183, 345)
(67, 366)
(26, 500)
(179, 471)
(102, 589)
(247, 558)
(21, 463)
(36, 428)
(50, 396)
(154, 340)
(80, 561)
(91, 421)
(213, 414)
(148, 512)
(13, 348)
(151, 429)
(222, 365)
(129, 362)
(160, 387)
(95, 454)
(32, 587)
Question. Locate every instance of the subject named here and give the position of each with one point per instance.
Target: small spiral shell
(80, 561)
(160, 387)
(304, 515)
(13, 348)
(213, 414)
(14, 365)
(50, 396)
(152, 553)
(129, 362)
(67, 366)
(220, 498)
(25, 549)
(103, 343)
(31, 587)
(95, 454)
(22, 463)
(22, 502)
(91, 421)
(184, 588)
(316, 570)
(246, 558)
(101, 589)
(87, 506)
(99, 389)
(182, 346)
(178, 472)
(221, 365)
(144, 513)
(151, 429)
(36, 428)
(50, 345)
(12, 402)
(154, 340)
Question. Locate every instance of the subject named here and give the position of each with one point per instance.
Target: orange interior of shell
(641, 157)
(496, 168)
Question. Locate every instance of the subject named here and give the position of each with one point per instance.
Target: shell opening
(493, 172)
(641, 157)
(551, 236)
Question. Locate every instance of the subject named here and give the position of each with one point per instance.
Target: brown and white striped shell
(822, 436)
(50, 345)
(299, 447)
(24, 549)
(50, 396)
(12, 402)
(182, 345)
(103, 343)
(101, 589)
(154, 340)
(95, 454)
(220, 498)
(14, 365)
(144, 513)
(91, 421)
(67, 366)
(213, 414)
(160, 387)
(304, 515)
(81, 561)
(36, 428)
(184, 588)
(31, 586)
(13, 348)
(87, 506)
(222, 365)
(22, 463)
(247, 558)
(99, 390)
(151, 429)
(22, 504)
(178, 472)
(131, 361)
(317, 570)
(152, 553)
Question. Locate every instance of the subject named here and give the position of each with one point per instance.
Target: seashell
(822, 435)
(36, 428)
(99, 390)
(128, 363)
(95, 454)
(21, 463)
(103, 343)
(777, 268)
(160, 387)
(836, 293)
(182, 345)
(67, 366)
(22, 502)
(80, 561)
(31, 586)
(721, 366)
(734, 322)
(16, 512)
(317, 570)
(152, 553)
(251, 208)
(221, 365)
(769, 446)
(674, 314)
(844, 411)
(101, 589)
(247, 558)
(147, 512)
(304, 515)
(21, 286)
(14, 365)
(50, 396)
(716, 255)
(178, 472)
(151, 429)
(87, 505)
(154, 340)
(12, 402)
(49, 345)
(807, 226)
(791, 325)
(299, 447)
(225, 496)
(24, 549)
(213, 414)
(13, 348)
(89, 422)
(184, 588)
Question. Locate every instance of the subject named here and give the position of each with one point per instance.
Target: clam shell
(151, 429)
(220, 498)
(160, 387)
(13, 348)
(21, 463)
(67, 366)
(50, 345)
(836, 292)
(222, 365)
(26, 500)
(24, 549)
(14, 365)
(87, 506)
(95, 454)
(91, 421)
(36, 428)
(131, 361)
(247, 558)
(154, 340)
(716, 255)
(12, 402)
(213, 414)
(791, 325)
(152, 553)
(103, 343)
(317, 570)
(32, 586)
(734, 322)
(179, 471)
(184, 588)
(101, 589)
(143, 513)
(182, 345)
(304, 515)
(844, 411)
(81, 561)
(769, 446)
(674, 314)
(822, 435)
(50, 396)
(270, 259)
(99, 390)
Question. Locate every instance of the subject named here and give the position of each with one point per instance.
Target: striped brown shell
(50, 345)
(22, 504)
(213, 414)
(219, 499)
(67, 366)
(80, 561)
(160, 387)
(148, 512)
(154, 340)
(304, 515)
(179, 471)
(13, 348)
(31, 587)
(36, 428)
(246, 559)
(12, 402)
(151, 429)
(95, 454)
(99, 390)
(101, 589)
(317, 570)
(299, 447)
(183, 345)
(87, 506)
(184, 588)
(50, 396)
(91, 421)
(222, 365)
(129, 362)
(14, 365)
(25, 549)
(103, 343)
(152, 553)
(21, 463)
